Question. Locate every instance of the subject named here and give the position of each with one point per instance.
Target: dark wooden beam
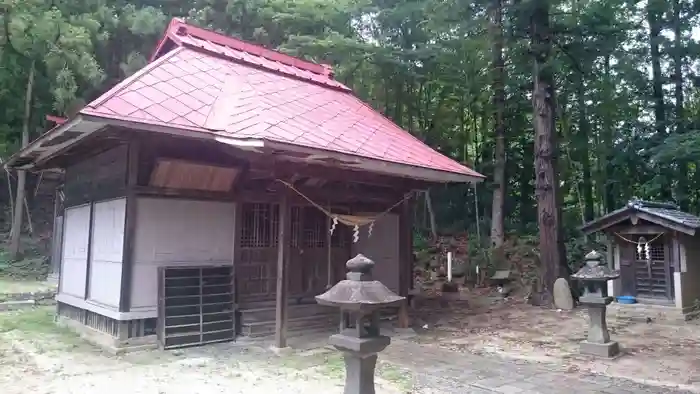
(638, 229)
(88, 268)
(282, 168)
(85, 149)
(339, 193)
(183, 193)
(282, 272)
(610, 255)
(129, 225)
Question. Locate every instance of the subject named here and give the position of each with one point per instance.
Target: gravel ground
(81, 371)
(39, 358)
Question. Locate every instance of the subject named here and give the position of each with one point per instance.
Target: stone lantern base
(360, 356)
(609, 349)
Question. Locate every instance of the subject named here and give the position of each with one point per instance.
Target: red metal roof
(213, 83)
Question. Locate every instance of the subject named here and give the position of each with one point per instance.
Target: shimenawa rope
(354, 221)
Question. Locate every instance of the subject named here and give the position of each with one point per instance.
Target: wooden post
(88, 268)
(329, 247)
(56, 237)
(405, 260)
(282, 260)
(132, 171)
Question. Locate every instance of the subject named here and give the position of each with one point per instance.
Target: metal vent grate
(196, 306)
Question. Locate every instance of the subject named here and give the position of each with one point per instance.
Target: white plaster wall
(383, 248)
(107, 251)
(75, 251)
(177, 232)
(615, 286)
(687, 279)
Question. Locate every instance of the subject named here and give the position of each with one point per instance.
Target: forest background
(570, 108)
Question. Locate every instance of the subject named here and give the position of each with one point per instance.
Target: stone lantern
(594, 278)
(359, 299)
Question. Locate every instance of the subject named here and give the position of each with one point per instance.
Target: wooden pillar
(283, 239)
(405, 260)
(132, 172)
(56, 238)
(88, 268)
(405, 248)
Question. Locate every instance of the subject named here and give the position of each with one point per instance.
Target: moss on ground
(9, 285)
(400, 377)
(38, 325)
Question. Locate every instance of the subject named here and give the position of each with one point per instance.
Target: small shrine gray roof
(667, 215)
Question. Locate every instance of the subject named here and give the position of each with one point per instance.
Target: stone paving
(443, 371)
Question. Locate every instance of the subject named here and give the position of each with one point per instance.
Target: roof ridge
(131, 79)
(639, 203)
(178, 27)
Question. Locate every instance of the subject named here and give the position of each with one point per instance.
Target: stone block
(562, 295)
(608, 349)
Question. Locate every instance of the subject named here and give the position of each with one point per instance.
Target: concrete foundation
(107, 342)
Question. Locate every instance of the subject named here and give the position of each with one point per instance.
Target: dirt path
(657, 352)
(438, 370)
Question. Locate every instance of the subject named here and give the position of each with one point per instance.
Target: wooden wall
(99, 177)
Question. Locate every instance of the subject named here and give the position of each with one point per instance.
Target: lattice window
(657, 252)
(260, 224)
(309, 227)
(296, 227)
(315, 228)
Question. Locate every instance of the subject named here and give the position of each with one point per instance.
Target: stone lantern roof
(359, 292)
(593, 271)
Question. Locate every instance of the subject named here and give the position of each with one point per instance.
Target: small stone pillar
(359, 299)
(594, 278)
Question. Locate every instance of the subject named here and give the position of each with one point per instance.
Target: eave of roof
(39, 154)
(630, 211)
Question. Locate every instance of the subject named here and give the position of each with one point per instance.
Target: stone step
(299, 324)
(293, 311)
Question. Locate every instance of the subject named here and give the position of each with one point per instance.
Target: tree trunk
(16, 231)
(551, 245)
(431, 215)
(678, 59)
(654, 14)
(583, 154)
(608, 170)
(499, 181)
(526, 203)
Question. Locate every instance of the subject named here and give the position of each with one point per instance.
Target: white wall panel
(107, 252)
(75, 250)
(177, 232)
